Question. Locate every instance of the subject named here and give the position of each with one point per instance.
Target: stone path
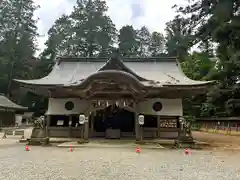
(95, 144)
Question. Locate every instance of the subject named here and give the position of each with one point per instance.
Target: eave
(6, 104)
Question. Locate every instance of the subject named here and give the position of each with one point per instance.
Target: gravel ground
(115, 163)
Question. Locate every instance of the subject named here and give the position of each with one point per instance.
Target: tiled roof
(8, 104)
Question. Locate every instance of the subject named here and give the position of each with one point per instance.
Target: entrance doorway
(114, 122)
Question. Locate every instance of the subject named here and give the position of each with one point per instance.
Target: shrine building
(113, 95)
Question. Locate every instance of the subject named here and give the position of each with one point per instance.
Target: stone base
(23, 140)
(191, 145)
(82, 141)
(39, 141)
(186, 142)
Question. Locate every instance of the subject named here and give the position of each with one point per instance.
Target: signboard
(141, 119)
(103, 104)
(168, 123)
(81, 119)
(60, 122)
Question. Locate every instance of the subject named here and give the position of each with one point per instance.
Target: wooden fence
(228, 127)
(12, 131)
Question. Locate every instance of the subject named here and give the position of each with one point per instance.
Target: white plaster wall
(18, 119)
(171, 107)
(57, 106)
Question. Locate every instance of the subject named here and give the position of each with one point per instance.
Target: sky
(152, 13)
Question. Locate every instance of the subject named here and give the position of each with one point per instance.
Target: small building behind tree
(9, 111)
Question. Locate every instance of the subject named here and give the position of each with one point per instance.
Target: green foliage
(217, 22)
(197, 66)
(142, 42)
(18, 34)
(87, 31)
(128, 44)
(178, 37)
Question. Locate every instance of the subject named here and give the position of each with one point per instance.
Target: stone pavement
(4, 142)
(95, 144)
(14, 140)
(52, 163)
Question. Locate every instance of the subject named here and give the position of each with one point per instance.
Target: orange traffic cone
(138, 150)
(27, 148)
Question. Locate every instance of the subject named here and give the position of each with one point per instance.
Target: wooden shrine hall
(115, 97)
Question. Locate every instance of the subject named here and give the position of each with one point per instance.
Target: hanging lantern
(141, 119)
(81, 119)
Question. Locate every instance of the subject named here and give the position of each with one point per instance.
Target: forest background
(213, 26)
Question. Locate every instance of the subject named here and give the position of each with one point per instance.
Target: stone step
(38, 141)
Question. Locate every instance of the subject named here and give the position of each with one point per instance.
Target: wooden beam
(158, 126)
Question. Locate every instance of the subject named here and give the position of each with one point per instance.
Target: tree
(156, 47)
(128, 44)
(144, 41)
(178, 37)
(198, 66)
(18, 34)
(58, 41)
(218, 21)
(140, 42)
(87, 32)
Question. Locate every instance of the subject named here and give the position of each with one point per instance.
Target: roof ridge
(105, 59)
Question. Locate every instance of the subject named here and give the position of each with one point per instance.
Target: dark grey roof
(154, 71)
(8, 104)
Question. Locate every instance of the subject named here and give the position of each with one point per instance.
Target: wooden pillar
(92, 122)
(180, 128)
(86, 128)
(137, 127)
(158, 126)
(70, 126)
(82, 130)
(48, 119)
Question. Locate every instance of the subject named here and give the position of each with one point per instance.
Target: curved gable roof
(149, 71)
